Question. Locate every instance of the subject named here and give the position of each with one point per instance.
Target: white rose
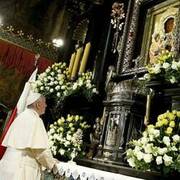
(144, 140)
(156, 133)
(174, 65)
(50, 143)
(147, 76)
(159, 160)
(58, 94)
(151, 137)
(56, 82)
(80, 83)
(51, 90)
(166, 140)
(167, 160)
(49, 77)
(178, 64)
(139, 155)
(94, 90)
(148, 158)
(60, 76)
(57, 87)
(172, 79)
(63, 87)
(162, 151)
(48, 70)
(145, 134)
(176, 138)
(131, 162)
(68, 137)
(75, 85)
(51, 131)
(52, 73)
(137, 149)
(45, 79)
(88, 85)
(73, 155)
(61, 151)
(51, 83)
(148, 148)
(173, 148)
(166, 65)
(157, 69)
(60, 82)
(47, 88)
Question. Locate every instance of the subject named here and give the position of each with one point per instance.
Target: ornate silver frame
(129, 38)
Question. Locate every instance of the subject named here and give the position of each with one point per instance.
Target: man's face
(42, 105)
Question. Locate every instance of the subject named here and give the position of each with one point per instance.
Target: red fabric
(12, 56)
(8, 124)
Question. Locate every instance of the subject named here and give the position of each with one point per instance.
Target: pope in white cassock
(27, 144)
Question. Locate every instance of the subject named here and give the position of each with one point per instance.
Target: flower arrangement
(159, 147)
(55, 83)
(66, 136)
(83, 86)
(166, 68)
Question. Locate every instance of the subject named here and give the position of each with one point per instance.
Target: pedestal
(123, 120)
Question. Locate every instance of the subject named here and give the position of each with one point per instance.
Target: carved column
(123, 38)
(131, 36)
(123, 120)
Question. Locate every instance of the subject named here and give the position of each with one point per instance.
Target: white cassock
(27, 149)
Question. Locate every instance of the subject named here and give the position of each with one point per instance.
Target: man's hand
(55, 169)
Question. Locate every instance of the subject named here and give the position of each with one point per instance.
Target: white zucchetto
(32, 97)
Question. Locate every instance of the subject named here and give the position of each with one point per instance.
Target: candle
(71, 63)
(76, 63)
(148, 105)
(85, 58)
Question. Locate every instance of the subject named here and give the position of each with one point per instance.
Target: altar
(73, 171)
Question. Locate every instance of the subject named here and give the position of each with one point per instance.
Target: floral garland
(166, 68)
(66, 136)
(159, 147)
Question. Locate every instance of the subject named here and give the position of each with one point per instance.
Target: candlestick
(148, 107)
(85, 58)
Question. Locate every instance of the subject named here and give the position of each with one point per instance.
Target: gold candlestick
(148, 108)
(85, 58)
(71, 63)
(76, 63)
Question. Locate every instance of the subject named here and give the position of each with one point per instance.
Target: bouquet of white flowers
(66, 136)
(166, 68)
(54, 82)
(159, 147)
(83, 86)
